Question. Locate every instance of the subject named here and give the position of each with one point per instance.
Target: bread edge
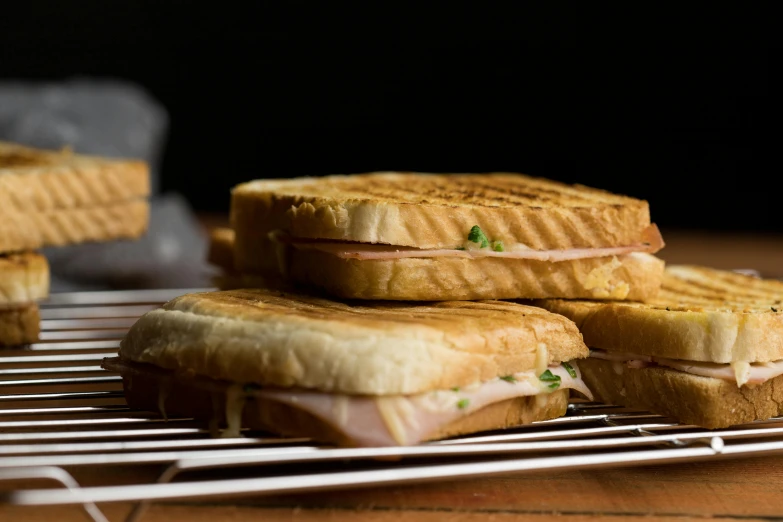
(690, 399)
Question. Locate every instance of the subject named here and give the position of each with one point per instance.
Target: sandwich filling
(741, 372)
(383, 420)
(477, 245)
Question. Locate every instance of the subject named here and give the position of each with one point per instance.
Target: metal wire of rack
(63, 420)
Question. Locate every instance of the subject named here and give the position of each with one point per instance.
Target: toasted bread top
(221, 248)
(35, 180)
(700, 314)
(438, 210)
(284, 339)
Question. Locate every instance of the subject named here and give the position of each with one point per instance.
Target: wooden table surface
(747, 489)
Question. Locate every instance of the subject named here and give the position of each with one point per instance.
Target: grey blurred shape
(114, 118)
(172, 254)
(106, 117)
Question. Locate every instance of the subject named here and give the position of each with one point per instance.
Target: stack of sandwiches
(57, 198)
(397, 308)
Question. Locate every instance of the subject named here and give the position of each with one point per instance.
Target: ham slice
(651, 243)
(741, 373)
(369, 421)
(409, 419)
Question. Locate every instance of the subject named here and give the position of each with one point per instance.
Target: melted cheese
(163, 394)
(542, 358)
(391, 418)
(599, 280)
(340, 411)
(235, 404)
(741, 372)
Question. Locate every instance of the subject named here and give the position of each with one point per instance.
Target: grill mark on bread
(373, 348)
(15, 159)
(436, 211)
(503, 190)
(731, 282)
(440, 188)
(711, 291)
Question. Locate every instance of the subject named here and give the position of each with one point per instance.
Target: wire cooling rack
(64, 422)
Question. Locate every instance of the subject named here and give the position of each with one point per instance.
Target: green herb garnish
(508, 378)
(460, 248)
(455, 389)
(463, 403)
(774, 309)
(497, 246)
(551, 378)
(476, 235)
(569, 369)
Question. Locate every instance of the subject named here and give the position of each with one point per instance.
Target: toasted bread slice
(690, 399)
(284, 339)
(59, 227)
(19, 324)
(221, 248)
(37, 180)
(632, 276)
(700, 314)
(433, 211)
(183, 399)
(24, 278)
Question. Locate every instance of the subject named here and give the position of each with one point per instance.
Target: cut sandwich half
(358, 375)
(413, 236)
(24, 280)
(707, 351)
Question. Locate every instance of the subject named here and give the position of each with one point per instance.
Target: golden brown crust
(59, 227)
(221, 248)
(280, 339)
(689, 399)
(632, 276)
(24, 277)
(37, 180)
(19, 324)
(435, 211)
(183, 399)
(700, 314)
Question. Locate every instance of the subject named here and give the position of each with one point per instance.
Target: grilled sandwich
(354, 374)
(413, 236)
(24, 280)
(54, 198)
(707, 351)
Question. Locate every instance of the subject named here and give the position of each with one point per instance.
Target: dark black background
(681, 109)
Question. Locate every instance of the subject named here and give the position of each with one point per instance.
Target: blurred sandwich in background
(24, 280)
(57, 198)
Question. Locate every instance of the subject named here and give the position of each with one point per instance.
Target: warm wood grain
(212, 513)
